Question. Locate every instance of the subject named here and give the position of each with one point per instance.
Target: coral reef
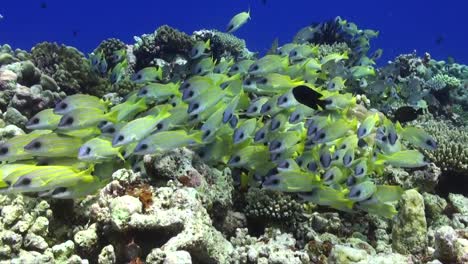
(224, 45)
(164, 43)
(69, 68)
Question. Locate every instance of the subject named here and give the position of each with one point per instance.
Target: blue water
(439, 27)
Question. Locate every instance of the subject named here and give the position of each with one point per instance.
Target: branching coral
(452, 151)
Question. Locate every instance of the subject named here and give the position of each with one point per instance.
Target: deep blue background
(404, 25)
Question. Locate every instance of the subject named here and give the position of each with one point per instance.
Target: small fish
(159, 91)
(97, 150)
(240, 67)
(300, 113)
(402, 159)
(268, 64)
(13, 149)
(336, 84)
(204, 66)
(245, 131)
(118, 72)
(237, 21)
(418, 137)
(148, 74)
(199, 49)
(45, 119)
(286, 48)
(334, 130)
(334, 175)
(211, 125)
(137, 129)
(305, 35)
(128, 109)
(119, 55)
(85, 186)
(44, 178)
(302, 52)
(377, 54)
(291, 181)
(360, 168)
(250, 156)
(167, 140)
(335, 57)
(54, 145)
(275, 82)
(406, 114)
(337, 101)
(359, 72)
(285, 141)
(75, 101)
(362, 191)
(327, 196)
(84, 118)
(366, 127)
(222, 67)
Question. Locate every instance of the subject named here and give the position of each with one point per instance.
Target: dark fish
(75, 33)
(43, 5)
(306, 96)
(406, 114)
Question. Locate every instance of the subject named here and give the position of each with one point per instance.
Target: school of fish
(283, 122)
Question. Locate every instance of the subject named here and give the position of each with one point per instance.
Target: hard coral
(224, 44)
(164, 43)
(69, 68)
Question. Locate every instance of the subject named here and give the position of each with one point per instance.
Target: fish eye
(195, 106)
(186, 85)
(206, 133)
(321, 135)
(190, 93)
(143, 146)
(111, 130)
(24, 182)
(357, 193)
(63, 105)
(35, 121)
(88, 150)
(199, 70)
(263, 80)
(332, 85)
(235, 68)
(69, 121)
(36, 145)
(254, 67)
(174, 104)
(236, 159)
(293, 53)
(431, 143)
(120, 138)
(254, 109)
(284, 100)
(248, 82)
(159, 126)
(3, 150)
(299, 162)
(276, 145)
(144, 91)
(343, 146)
(285, 164)
(139, 76)
(275, 181)
(328, 101)
(241, 135)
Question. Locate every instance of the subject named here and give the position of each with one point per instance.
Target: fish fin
(112, 116)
